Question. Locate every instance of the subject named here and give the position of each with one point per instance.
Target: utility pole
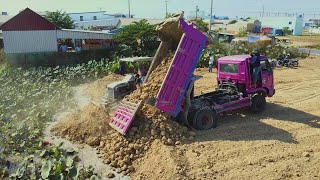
(166, 8)
(210, 17)
(262, 10)
(129, 8)
(197, 9)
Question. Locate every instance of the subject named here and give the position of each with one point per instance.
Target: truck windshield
(229, 68)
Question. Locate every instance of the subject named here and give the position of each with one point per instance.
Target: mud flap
(124, 116)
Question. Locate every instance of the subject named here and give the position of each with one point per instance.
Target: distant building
(253, 26)
(28, 35)
(315, 21)
(121, 15)
(126, 21)
(89, 16)
(295, 24)
(103, 24)
(308, 24)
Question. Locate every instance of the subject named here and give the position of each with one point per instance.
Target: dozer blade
(124, 115)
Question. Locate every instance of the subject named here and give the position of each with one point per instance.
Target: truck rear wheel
(204, 119)
(258, 103)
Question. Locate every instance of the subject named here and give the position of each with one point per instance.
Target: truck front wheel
(204, 119)
(258, 103)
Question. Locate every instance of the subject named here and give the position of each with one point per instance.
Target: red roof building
(28, 20)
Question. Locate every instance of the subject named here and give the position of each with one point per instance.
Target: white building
(28, 32)
(90, 16)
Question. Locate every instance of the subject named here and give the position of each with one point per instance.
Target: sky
(157, 8)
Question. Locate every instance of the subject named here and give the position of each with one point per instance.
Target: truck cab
(238, 70)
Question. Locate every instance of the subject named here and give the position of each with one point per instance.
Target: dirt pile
(84, 126)
(150, 124)
(90, 126)
(97, 89)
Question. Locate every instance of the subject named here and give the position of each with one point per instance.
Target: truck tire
(258, 103)
(204, 119)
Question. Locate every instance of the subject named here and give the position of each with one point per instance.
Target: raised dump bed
(178, 78)
(188, 43)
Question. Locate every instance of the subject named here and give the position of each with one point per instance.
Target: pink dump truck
(176, 93)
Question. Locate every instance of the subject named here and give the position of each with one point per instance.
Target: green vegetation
(242, 32)
(140, 36)
(286, 31)
(271, 51)
(202, 26)
(233, 22)
(2, 56)
(60, 19)
(29, 98)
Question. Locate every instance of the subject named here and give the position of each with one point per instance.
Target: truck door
(266, 74)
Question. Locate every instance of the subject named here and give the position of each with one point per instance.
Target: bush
(242, 32)
(271, 51)
(286, 31)
(233, 22)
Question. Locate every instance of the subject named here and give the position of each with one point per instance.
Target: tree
(140, 36)
(60, 19)
(286, 31)
(203, 26)
(242, 32)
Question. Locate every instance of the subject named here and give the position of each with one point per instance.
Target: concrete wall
(88, 16)
(294, 23)
(30, 41)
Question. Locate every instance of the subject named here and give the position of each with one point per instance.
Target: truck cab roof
(238, 58)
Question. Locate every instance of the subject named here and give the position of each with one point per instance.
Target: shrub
(242, 32)
(233, 22)
(271, 51)
(286, 31)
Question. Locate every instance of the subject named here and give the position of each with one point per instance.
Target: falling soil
(153, 85)
(96, 90)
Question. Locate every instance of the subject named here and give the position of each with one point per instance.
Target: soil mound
(84, 126)
(97, 89)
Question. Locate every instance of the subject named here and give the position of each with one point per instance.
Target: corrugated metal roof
(127, 21)
(28, 20)
(103, 22)
(81, 34)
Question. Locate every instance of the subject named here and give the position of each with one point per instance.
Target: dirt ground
(283, 142)
(305, 41)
